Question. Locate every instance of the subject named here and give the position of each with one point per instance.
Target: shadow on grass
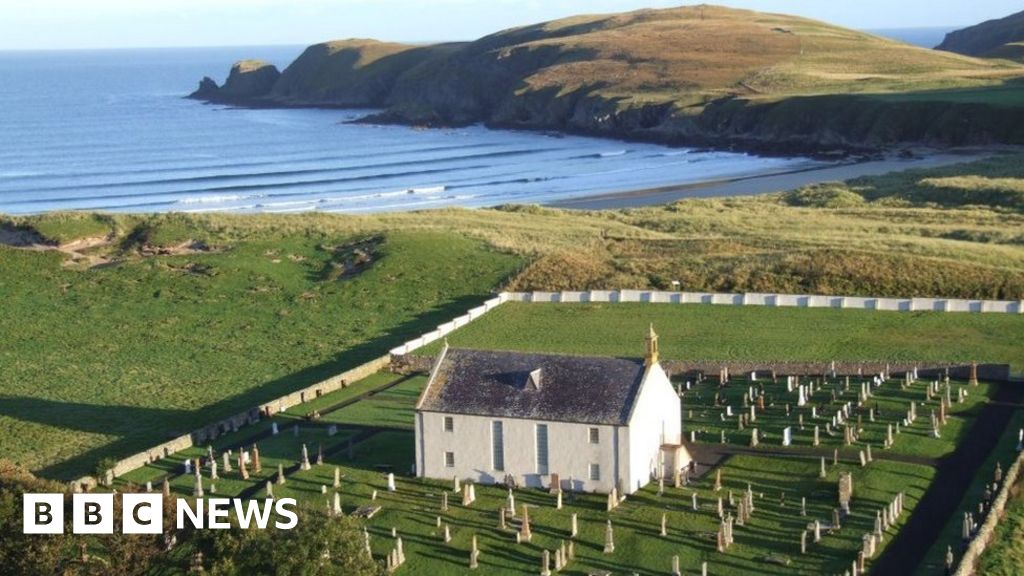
(135, 425)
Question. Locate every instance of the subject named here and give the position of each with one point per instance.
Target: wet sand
(767, 183)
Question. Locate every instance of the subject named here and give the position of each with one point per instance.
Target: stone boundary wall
(988, 372)
(984, 536)
(925, 370)
(232, 424)
(775, 301)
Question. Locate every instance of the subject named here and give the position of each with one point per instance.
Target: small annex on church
(587, 423)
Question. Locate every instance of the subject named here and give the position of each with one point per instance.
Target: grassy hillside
(702, 75)
(107, 361)
(174, 320)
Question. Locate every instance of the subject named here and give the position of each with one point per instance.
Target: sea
(111, 130)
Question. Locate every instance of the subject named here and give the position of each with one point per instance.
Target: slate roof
(573, 388)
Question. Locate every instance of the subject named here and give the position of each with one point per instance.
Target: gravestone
(609, 539)
(845, 491)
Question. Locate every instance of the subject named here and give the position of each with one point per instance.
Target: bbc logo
(93, 513)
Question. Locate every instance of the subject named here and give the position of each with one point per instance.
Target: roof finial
(651, 355)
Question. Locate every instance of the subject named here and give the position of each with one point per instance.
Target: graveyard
(762, 499)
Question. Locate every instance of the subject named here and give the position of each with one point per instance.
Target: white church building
(589, 423)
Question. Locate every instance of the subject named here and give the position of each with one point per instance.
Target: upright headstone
(525, 534)
(474, 555)
(845, 491)
(609, 539)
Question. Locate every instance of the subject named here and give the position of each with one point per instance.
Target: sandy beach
(770, 182)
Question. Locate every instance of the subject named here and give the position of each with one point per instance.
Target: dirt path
(953, 478)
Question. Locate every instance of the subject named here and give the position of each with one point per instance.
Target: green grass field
(704, 332)
(106, 362)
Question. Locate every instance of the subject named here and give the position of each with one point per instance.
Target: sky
(63, 24)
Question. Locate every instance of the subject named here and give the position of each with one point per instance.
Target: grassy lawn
(693, 331)
(889, 401)
(393, 408)
(106, 362)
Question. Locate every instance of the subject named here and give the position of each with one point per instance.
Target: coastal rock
(248, 81)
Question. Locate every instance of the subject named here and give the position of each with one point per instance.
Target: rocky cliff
(248, 81)
(700, 75)
(1003, 38)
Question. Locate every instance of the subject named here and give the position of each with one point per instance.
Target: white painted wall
(570, 452)
(656, 420)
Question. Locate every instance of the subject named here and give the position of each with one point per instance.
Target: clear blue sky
(44, 24)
